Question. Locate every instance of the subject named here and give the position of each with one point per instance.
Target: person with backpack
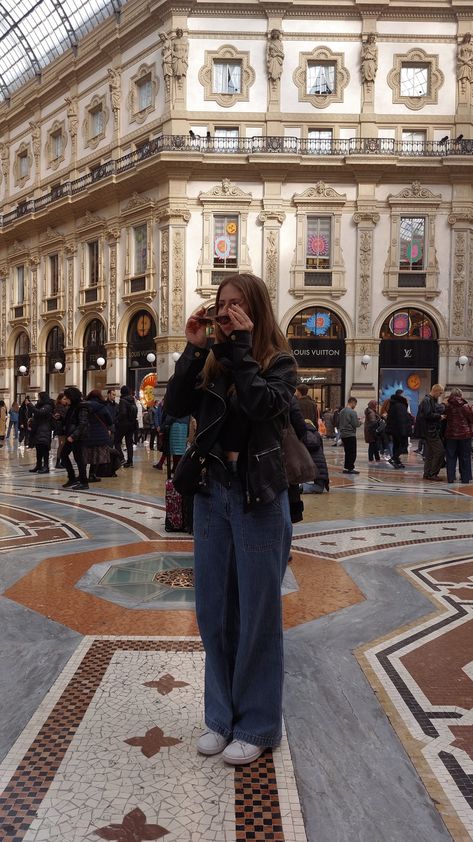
(126, 425)
(76, 425)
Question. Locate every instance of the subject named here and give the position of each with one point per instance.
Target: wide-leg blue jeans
(240, 559)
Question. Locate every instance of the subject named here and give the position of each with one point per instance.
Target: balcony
(311, 148)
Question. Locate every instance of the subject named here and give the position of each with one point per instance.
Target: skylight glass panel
(33, 33)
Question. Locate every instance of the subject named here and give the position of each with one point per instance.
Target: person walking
(76, 422)
(3, 421)
(348, 424)
(59, 414)
(97, 439)
(126, 425)
(239, 392)
(429, 425)
(315, 445)
(41, 428)
(458, 434)
(24, 415)
(13, 420)
(399, 427)
(372, 421)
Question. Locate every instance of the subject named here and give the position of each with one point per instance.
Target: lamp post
(462, 361)
(58, 366)
(151, 358)
(365, 360)
(22, 369)
(100, 362)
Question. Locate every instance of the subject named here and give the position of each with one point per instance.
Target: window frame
(321, 56)
(226, 54)
(412, 58)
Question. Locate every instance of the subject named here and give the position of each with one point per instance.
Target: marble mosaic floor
(101, 667)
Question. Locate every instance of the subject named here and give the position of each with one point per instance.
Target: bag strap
(101, 422)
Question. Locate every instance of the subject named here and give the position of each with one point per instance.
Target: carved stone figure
(179, 58)
(114, 84)
(274, 55)
(4, 159)
(166, 58)
(369, 58)
(465, 60)
(36, 138)
(72, 115)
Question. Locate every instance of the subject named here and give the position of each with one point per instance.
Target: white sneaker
(238, 753)
(211, 743)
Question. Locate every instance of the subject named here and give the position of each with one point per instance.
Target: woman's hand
(196, 330)
(239, 319)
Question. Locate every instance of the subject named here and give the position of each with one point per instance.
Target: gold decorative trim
(321, 55)
(248, 75)
(436, 78)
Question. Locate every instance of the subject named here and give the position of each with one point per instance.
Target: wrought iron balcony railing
(193, 144)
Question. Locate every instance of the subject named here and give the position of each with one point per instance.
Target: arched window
(408, 323)
(94, 336)
(55, 348)
(22, 345)
(316, 322)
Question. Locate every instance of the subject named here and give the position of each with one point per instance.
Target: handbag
(297, 459)
(188, 474)
(380, 426)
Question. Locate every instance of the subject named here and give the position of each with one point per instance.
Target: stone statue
(369, 58)
(72, 115)
(179, 58)
(274, 55)
(114, 84)
(465, 61)
(166, 56)
(36, 138)
(4, 159)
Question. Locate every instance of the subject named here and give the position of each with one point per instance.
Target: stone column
(366, 219)
(6, 367)
(37, 371)
(461, 289)
(272, 220)
(172, 303)
(34, 316)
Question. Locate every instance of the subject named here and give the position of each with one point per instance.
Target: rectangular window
(320, 78)
(226, 140)
(96, 122)
(412, 243)
(53, 274)
(413, 136)
(414, 79)
(140, 246)
(225, 245)
(226, 77)
(144, 92)
(93, 258)
(320, 141)
(23, 167)
(56, 145)
(318, 243)
(20, 284)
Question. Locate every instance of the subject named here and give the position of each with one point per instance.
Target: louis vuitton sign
(319, 353)
(408, 353)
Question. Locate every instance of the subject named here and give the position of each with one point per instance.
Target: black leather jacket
(263, 396)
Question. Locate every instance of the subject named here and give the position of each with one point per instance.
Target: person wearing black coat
(24, 414)
(97, 441)
(314, 444)
(399, 427)
(76, 424)
(125, 425)
(40, 430)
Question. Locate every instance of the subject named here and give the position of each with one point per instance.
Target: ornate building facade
(327, 150)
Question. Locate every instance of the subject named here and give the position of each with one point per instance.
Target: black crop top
(235, 431)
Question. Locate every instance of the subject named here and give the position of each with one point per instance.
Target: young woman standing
(239, 391)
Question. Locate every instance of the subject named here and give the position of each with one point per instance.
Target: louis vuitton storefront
(317, 339)
(408, 355)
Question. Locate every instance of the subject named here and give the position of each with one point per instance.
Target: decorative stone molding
(4, 163)
(91, 140)
(223, 198)
(164, 282)
(435, 82)
(419, 201)
(365, 219)
(173, 215)
(34, 263)
(319, 200)
(248, 75)
(139, 203)
(115, 88)
(178, 264)
(3, 332)
(112, 237)
(272, 219)
(268, 216)
(459, 283)
(145, 72)
(321, 55)
(460, 216)
(139, 286)
(51, 235)
(58, 127)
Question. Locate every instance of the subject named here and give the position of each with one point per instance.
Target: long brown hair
(268, 339)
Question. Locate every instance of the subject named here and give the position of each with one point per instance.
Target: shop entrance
(317, 339)
(408, 356)
(95, 357)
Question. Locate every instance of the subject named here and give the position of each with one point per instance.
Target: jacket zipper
(265, 452)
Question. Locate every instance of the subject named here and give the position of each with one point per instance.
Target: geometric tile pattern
(343, 543)
(30, 529)
(424, 677)
(79, 769)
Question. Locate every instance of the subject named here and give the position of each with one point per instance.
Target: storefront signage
(319, 353)
(405, 353)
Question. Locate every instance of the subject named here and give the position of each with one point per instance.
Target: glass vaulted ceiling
(34, 32)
